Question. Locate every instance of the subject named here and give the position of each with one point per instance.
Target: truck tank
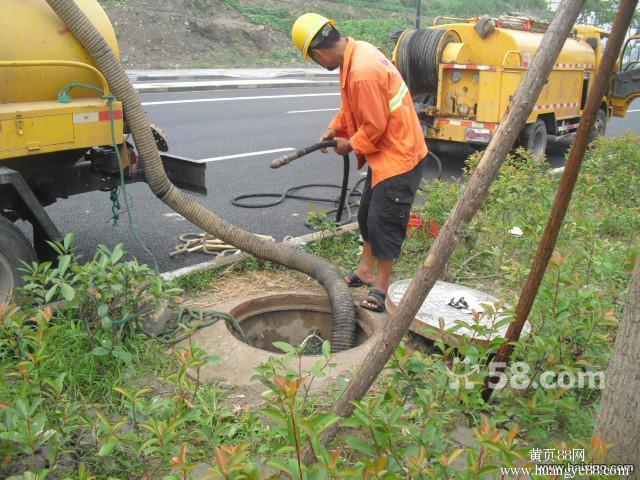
(31, 31)
(496, 48)
(461, 44)
(53, 148)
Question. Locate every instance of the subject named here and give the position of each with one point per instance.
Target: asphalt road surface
(237, 133)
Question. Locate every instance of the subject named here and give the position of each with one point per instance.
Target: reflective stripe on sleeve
(396, 101)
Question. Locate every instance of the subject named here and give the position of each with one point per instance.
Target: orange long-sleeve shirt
(377, 113)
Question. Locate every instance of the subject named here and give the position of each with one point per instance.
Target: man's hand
(330, 134)
(344, 146)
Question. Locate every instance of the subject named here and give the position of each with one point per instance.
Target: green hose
(205, 318)
(64, 96)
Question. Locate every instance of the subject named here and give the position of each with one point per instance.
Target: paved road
(227, 128)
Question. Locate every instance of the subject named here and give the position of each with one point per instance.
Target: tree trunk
(388, 339)
(619, 417)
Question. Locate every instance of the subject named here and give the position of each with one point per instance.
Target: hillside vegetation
(227, 33)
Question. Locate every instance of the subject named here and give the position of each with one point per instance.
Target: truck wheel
(600, 127)
(14, 247)
(534, 139)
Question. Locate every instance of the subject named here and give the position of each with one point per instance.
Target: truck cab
(626, 83)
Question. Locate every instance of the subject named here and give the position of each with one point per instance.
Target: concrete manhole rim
(238, 361)
(365, 320)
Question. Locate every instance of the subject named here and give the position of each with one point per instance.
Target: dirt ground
(168, 34)
(231, 284)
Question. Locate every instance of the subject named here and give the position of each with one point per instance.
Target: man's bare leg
(382, 279)
(367, 266)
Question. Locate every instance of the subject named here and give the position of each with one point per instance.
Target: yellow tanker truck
(463, 75)
(58, 129)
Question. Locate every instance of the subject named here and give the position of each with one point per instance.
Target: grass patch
(372, 21)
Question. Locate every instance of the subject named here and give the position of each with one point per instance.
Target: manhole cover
(451, 305)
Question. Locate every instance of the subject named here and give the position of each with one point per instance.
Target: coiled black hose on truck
(343, 308)
(417, 58)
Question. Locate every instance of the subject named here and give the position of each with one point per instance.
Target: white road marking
(242, 155)
(230, 99)
(632, 111)
(317, 110)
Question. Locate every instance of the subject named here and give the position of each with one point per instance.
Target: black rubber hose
(290, 157)
(286, 159)
(342, 305)
(345, 185)
(438, 163)
(417, 59)
(277, 163)
(345, 192)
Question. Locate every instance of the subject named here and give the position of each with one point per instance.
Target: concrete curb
(214, 76)
(230, 260)
(227, 74)
(191, 87)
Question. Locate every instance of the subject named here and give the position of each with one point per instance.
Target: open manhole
(289, 317)
(293, 319)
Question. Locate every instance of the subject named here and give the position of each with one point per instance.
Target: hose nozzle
(285, 159)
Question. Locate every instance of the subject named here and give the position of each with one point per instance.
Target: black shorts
(384, 211)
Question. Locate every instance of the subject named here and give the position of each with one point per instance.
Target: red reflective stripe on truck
(465, 123)
(106, 116)
(574, 66)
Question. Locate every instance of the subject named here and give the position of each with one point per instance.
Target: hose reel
(418, 55)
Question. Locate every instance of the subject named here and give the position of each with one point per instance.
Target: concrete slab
(240, 257)
(451, 305)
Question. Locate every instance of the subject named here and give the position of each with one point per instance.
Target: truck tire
(533, 138)
(600, 127)
(14, 247)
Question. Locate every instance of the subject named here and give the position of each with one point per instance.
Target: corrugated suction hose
(343, 309)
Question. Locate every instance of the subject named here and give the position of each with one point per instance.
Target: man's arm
(371, 109)
(338, 122)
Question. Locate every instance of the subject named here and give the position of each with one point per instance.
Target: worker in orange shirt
(377, 120)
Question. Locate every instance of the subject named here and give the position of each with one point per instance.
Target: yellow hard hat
(305, 28)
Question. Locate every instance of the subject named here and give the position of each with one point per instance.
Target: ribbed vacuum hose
(343, 309)
(417, 59)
